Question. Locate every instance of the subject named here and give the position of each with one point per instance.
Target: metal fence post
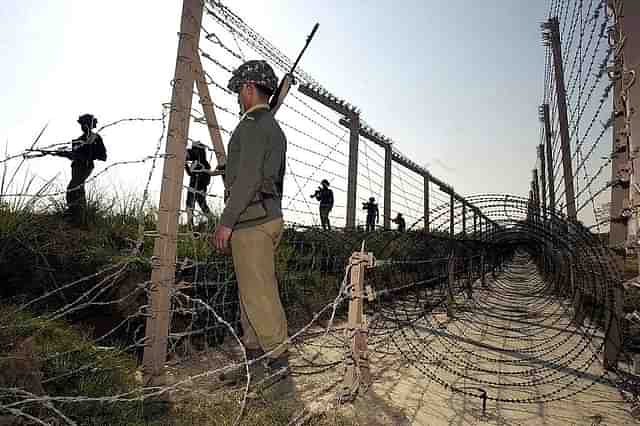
(352, 177)
(387, 187)
(451, 207)
(548, 143)
(553, 37)
(426, 202)
(543, 182)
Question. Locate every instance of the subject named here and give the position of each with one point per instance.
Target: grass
(69, 364)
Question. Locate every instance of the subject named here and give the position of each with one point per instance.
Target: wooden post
(387, 187)
(553, 26)
(209, 114)
(352, 177)
(357, 376)
(164, 250)
(427, 182)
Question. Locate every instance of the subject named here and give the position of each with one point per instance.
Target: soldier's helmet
(257, 72)
(88, 120)
(372, 199)
(324, 182)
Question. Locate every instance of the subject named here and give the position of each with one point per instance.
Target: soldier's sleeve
(252, 144)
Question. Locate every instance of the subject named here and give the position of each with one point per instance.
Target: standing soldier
(325, 196)
(252, 219)
(399, 220)
(197, 167)
(373, 216)
(84, 150)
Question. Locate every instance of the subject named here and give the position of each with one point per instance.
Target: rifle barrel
(306, 44)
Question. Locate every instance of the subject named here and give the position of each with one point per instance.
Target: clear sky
(456, 84)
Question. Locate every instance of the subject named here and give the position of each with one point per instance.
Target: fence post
(451, 207)
(387, 186)
(164, 250)
(543, 182)
(536, 195)
(470, 279)
(357, 375)
(426, 202)
(450, 283)
(209, 114)
(482, 278)
(578, 302)
(464, 218)
(352, 177)
(553, 37)
(544, 116)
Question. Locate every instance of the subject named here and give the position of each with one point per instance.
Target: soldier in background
(399, 220)
(325, 196)
(197, 167)
(84, 150)
(373, 215)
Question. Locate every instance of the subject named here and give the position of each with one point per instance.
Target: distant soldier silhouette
(197, 167)
(325, 196)
(373, 215)
(84, 150)
(399, 220)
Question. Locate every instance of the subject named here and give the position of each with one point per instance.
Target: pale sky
(456, 85)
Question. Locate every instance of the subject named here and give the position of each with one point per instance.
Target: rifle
(36, 153)
(288, 80)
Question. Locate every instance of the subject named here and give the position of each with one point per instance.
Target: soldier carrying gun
(325, 196)
(84, 150)
(373, 215)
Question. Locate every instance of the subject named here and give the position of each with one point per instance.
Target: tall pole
(631, 23)
(426, 202)
(164, 250)
(624, 39)
(451, 207)
(475, 223)
(464, 217)
(536, 194)
(548, 143)
(387, 187)
(352, 178)
(553, 26)
(543, 181)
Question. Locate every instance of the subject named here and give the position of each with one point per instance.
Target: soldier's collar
(253, 108)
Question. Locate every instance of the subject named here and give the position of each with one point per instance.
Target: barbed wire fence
(429, 295)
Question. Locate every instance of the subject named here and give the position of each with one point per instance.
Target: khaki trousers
(261, 314)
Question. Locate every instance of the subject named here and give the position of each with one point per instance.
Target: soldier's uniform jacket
(371, 208)
(254, 171)
(87, 148)
(325, 196)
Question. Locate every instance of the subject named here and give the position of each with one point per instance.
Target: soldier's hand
(221, 238)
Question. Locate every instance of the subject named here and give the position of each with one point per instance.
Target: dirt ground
(553, 377)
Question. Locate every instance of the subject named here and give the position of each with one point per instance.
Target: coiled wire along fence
(532, 301)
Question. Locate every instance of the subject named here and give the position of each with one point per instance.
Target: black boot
(238, 374)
